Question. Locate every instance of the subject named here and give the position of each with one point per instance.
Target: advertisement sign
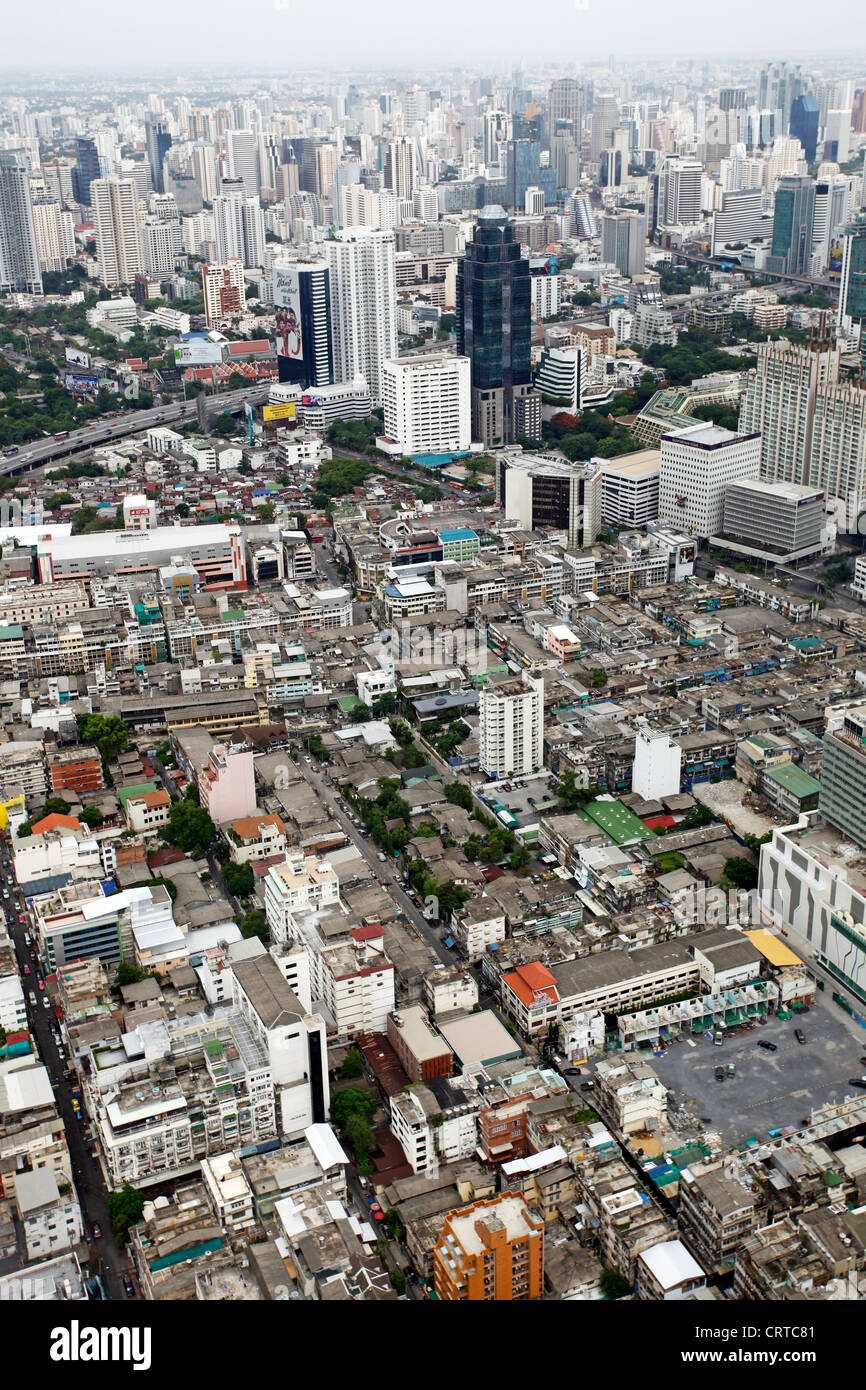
(81, 359)
(310, 399)
(198, 352)
(834, 263)
(287, 311)
(285, 411)
(82, 383)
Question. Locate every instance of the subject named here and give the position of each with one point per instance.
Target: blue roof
(460, 533)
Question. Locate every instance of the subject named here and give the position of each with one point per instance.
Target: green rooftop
(124, 793)
(214, 1049)
(794, 780)
(11, 632)
(619, 823)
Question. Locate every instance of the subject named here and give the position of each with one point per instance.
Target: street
(86, 1172)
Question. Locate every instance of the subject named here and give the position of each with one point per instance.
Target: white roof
(23, 1087)
(556, 1154)
(671, 1264)
(326, 1146)
(62, 546)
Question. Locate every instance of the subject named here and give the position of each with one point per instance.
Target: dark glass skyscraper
(158, 143)
(792, 225)
(86, 169)
(494, 327)
(523, 169)
(804, 124)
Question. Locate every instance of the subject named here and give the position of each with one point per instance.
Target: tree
(189, 826)
(570, 796)
(182, 509)
(24, 829)
(394, 1225)
(92, 816)
(351, 1102)
(397, 1280)
(128, 974)
(459, 795)
(740, 872)
(695, 817)
(359, 1134)
(54, 806)
(255, 923)
(353, 1065)
(107, 733)
(125, 1209)
(239, 879)
(613, 1285)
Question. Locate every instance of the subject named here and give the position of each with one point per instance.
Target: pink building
(227, 786)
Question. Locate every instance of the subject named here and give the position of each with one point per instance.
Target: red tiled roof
(56, 822)
(531, 979)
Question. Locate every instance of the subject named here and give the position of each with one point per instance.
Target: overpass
(715, 263)
(40, 452)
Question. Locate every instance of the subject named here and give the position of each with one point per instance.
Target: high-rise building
(242, 159)
(204, 168)
(793, 218)
(427, 404)
(55, 239)
(157, 247)
(491, 1252)
(363, 304)
(832, 197)
(346, 175)
(302, 309)
(837, 135)
(511, 732)
(494, 325)
(852, 285)
(327, 157)
(548, 493)
(158, 143)
(680, 192)
(564, 108)
(605, 119)
(656, 768)
(732, 99)
(400, 167)
(87, 168)
(224, 291)
(739, 219)
(623, 242)
(118, 240)
(239, 227)
(523, 169)
(19, 254)
(778, 88)
(842, 799)
(804, 124)
(697, 465)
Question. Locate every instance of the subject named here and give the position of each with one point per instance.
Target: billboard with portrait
(82, 384)
(287, 311)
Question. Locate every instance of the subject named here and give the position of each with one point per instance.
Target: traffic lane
(370, 854)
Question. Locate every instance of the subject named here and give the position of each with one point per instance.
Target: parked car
(128, 1286)
(97, 1230)
(799, 1035)
(720, 1073)
(41, 984)
(768, 1046)
(587, 1086)
(857, 1081)
(26, 968)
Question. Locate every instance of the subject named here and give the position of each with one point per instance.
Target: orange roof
(157, 798)
(248, 827)
(531, 979)
(56, 822)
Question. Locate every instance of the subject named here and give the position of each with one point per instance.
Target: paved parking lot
(770, 1089)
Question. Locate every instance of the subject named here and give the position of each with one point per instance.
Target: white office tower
(427, 404)
(197, 231)
(254, 232)
(533, 202)
(19, 255)
(832, 197)
(204, 168)
(242, 159)
(697, 464)
(511, 735)
(51, 234)
(400, 167)
(656, 770)
(680, 192)
(164, 207)
(346, 175)
(426, 202)
(118, 238)
(558, 378)
(363, 305)
(157, 247)
(739, 219)
(228, 220)
(361, 206)
(837, 136)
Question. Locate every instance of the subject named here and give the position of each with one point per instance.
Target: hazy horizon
(351, 36)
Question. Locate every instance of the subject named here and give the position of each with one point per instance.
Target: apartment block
(492, 1251)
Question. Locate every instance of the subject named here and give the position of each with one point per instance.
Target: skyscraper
(55, 239)
(363, 304)
(605, 119)
(680, 192)
(224, 291)
(118, 242)
(400, 167)
(523, 169)
(158, 143)
(564, 108)
(242, 159)
(511, 733)
(302, 307)
(793, 217)
(494, 321)
(831, 213)
(804, 124)
(842, 799)
(852, 285)
(19, 255)
(228, 220)
(86, 169)
(697, 464)
(623, 242)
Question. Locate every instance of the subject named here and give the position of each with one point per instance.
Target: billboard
(82, 383)
(310, 398)
(284, 411)
(79, 358)
(287, 311)
(198, 352)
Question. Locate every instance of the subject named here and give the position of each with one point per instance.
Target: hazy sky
(50, 36)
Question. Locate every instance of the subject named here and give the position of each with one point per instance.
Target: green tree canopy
(125, 1209)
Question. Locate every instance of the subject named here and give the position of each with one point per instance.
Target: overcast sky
(50, 36)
